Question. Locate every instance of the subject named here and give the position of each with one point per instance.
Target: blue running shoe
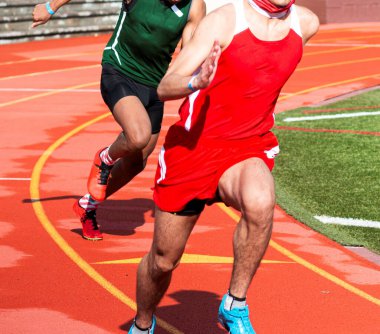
(235, 321)
(135, 330)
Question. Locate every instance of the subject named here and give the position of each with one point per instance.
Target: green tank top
(145, 38)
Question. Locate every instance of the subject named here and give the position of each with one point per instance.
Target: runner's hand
(40, 15)
(208, 68)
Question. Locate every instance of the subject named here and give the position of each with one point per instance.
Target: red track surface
(52, 280)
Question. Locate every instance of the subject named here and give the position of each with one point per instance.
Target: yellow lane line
(193, 259)
(58, 91)
(61, 242)
(61, 56)
(363, 29)
(364, 36)
(297, 70)
(91, 272)
(348, 62)
(33, 74)
(80, 54)
(97, 65)
(335, 50)
(309, 265)
(312, 89)
(289, 95)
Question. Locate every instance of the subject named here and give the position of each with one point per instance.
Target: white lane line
(313, 118)
(47, 90)
(348, 221)
(71, 90)
(15, 178)
(344, 45)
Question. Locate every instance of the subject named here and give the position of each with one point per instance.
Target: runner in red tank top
(222, 148)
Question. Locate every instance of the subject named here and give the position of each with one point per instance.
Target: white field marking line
(48, 90)
(348, 221)
(15, 178)
(313, 118)
(344, 45)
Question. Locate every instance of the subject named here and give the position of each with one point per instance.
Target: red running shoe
(90, 228)
(98, 179)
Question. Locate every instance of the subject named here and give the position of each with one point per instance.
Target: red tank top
(240, 101)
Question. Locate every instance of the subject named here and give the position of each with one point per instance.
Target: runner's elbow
(162, 91)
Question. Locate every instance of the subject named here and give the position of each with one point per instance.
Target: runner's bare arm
(41, 14)
(197, 13)
(309, 23)
(200, 55)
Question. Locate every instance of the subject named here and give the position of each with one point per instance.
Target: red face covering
(271, 8)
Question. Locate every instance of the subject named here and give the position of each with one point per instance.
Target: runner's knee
(258, 208)
(137, 139)
(163, 265)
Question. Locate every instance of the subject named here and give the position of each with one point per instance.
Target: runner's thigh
(247, 184)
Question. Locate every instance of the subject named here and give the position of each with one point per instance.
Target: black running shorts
(115, 85)
(194, 207)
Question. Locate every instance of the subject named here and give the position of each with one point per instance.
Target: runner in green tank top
(134, 61)
(143, 51)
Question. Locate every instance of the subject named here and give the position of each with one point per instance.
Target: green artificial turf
(332, 174)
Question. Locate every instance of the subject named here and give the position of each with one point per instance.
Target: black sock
(236, 298)
(140, 330)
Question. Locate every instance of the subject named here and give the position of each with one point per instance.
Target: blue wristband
(190, 85)
(49, 9)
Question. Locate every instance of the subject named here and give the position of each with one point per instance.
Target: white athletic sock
(232, 303)
(88, 203)
(136, 330)
(105, 157)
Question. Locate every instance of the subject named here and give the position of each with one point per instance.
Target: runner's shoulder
(309, 21)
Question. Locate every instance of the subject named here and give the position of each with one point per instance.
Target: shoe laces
(243, 315)
(104, 173)
(239, 319)
(91, 215)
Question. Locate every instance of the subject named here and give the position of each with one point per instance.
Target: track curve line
(281, 98)
(108, 286)
(354, 132)
(341, 63)
(61, 242)
(332, 84)
(307, 264)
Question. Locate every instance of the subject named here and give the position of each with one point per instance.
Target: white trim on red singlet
(192, 98)
(162, 164)
(295, 21)
(242, 24)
